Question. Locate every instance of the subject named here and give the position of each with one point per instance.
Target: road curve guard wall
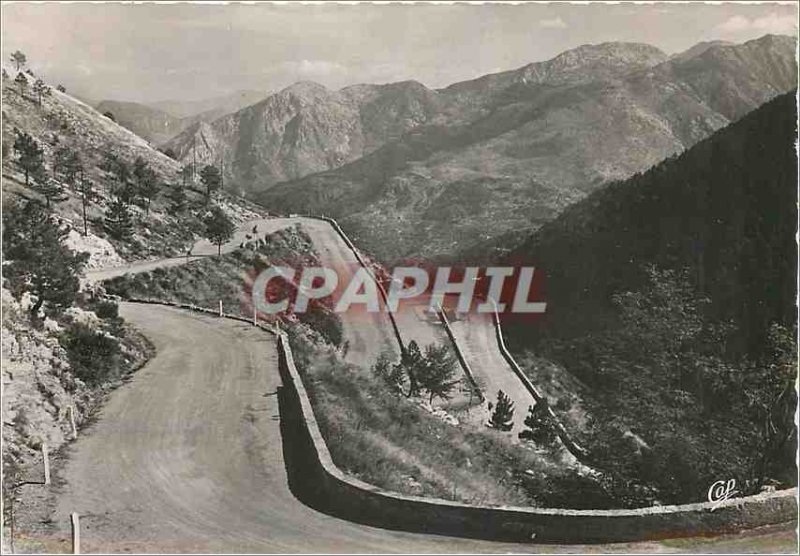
(381, 290)
(573, 447)
(354, 499)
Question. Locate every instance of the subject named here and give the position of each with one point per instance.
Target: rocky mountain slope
(508, 151)
(223, 104)
(63, 121)
(161, 121)
(306, 128)
(151, 124)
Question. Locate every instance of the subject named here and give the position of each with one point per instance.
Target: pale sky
(150, 52)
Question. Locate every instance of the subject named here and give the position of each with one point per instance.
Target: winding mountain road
(188, 456)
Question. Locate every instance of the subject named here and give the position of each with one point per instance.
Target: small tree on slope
(29, 153)
(48, 187)
(118, 221)
(212, 180)
(18, 59)
(219, 228)
(503, 414)
(539, 425)
(437, 372)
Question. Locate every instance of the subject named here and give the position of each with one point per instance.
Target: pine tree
(40, 89)
(31, 156)
(36, 259)
(178, 200)
(437, 372)
(389, 371)
(540, 426)
(121, 171)
(503, 415)
(211, 179)
(219, 228)
(67, 164)
(412, 362)
(86, 191)
(118, 221)
(18, 59)
(46, 186)
(146, 184)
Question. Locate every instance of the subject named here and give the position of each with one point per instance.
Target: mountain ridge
(533, 149)
(374, 114)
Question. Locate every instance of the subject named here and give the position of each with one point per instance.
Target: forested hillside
(671, 298)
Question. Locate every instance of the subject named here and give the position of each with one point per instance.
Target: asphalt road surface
(187, 457)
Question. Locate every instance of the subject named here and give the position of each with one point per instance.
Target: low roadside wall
(366, 267)
(574, 448)
(460, 355)
(354, 499)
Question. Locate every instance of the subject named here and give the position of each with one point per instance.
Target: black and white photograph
(399, 277)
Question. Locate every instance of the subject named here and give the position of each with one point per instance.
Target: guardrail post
(46, 460)
(76, 533)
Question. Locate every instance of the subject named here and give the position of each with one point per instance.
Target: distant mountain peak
(699, 49)
(592, 61)
(613, 48)
(305, 89)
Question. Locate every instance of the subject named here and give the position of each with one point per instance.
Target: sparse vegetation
(379, 436)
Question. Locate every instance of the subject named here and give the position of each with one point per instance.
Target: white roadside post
(220, 307)
(71, 410)
(46, 459)
(76, 533)
(255, 316)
